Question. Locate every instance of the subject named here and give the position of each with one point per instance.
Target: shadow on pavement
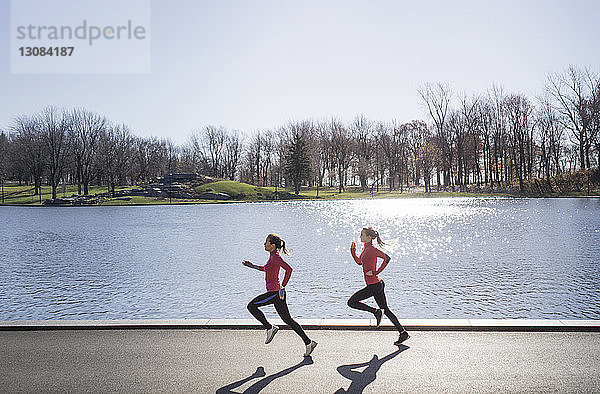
(360, 380)
(261, 384)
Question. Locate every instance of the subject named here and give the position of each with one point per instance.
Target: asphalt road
(227, 361)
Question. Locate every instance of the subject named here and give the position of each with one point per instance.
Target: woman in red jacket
(375, 286)
(276, 292)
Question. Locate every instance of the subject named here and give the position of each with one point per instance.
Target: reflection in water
(451, 258)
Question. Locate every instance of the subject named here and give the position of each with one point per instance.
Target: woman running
(276, 293)
(375, 286)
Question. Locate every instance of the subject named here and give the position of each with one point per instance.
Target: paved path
(226, 361)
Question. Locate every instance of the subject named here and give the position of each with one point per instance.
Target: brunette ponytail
(278, 242)
(371, 232)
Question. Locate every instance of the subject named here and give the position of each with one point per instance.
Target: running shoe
(309, 348)
(271, 333)
(403, 337)
(378, 316)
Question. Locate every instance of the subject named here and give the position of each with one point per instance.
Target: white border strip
(356, 324)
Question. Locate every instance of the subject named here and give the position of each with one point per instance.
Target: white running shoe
(309, 348)
(271, 333)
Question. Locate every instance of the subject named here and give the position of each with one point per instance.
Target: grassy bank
(23, 195)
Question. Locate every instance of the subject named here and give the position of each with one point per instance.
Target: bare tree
(384, 150)
(146, 158)
(4, 153)
(380, 164)
(86, 128)
(259, 157)
(30, 149)
(187, 158)
(116, 154)
(272, 153)
(209, 146)
(572, 91)
(437, 100)
(320, 152)
(231, 154)
(386, 145)
(466, 139)
(486, 121)
(519, 113)
(194, 153)
(214, 145)
(499, 122)
(427, 155)
(362, 133)
(410, 139)
(171, 152)
(253, 155)
(550, 137)
(594, 111)
(55, 126)
(341, 149)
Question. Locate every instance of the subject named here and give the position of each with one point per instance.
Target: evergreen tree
(297, 162)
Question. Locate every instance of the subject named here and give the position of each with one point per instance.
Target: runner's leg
(364, 293)
(382, 303)
(283, 311)
(263, 299)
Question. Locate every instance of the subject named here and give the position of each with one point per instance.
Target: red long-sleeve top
(271, 269)
(368, 260)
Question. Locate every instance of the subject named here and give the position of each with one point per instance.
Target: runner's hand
(282, 293)
(353, 247)
(250, 265)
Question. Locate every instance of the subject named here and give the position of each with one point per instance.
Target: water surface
(451, 258)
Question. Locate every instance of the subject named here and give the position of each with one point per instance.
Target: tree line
(494, 139)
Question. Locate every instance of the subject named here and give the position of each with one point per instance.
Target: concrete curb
(311, 324)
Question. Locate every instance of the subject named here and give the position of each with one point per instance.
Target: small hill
(243, 191)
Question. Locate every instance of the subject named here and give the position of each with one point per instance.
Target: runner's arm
(386, 260)
(253, 266)
(288, 273)
(353, 252)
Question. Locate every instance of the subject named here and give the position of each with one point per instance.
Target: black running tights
(375, 290)
(272, 297)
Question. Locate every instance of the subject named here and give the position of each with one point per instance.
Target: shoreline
(233, 192)
(301, 199)
(467, 325)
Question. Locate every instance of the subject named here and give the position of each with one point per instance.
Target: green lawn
(14, 194)
(232, 188)
(244, 191)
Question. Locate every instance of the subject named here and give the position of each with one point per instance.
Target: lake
(451, 258)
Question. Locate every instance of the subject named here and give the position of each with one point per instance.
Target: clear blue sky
(256, 64)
